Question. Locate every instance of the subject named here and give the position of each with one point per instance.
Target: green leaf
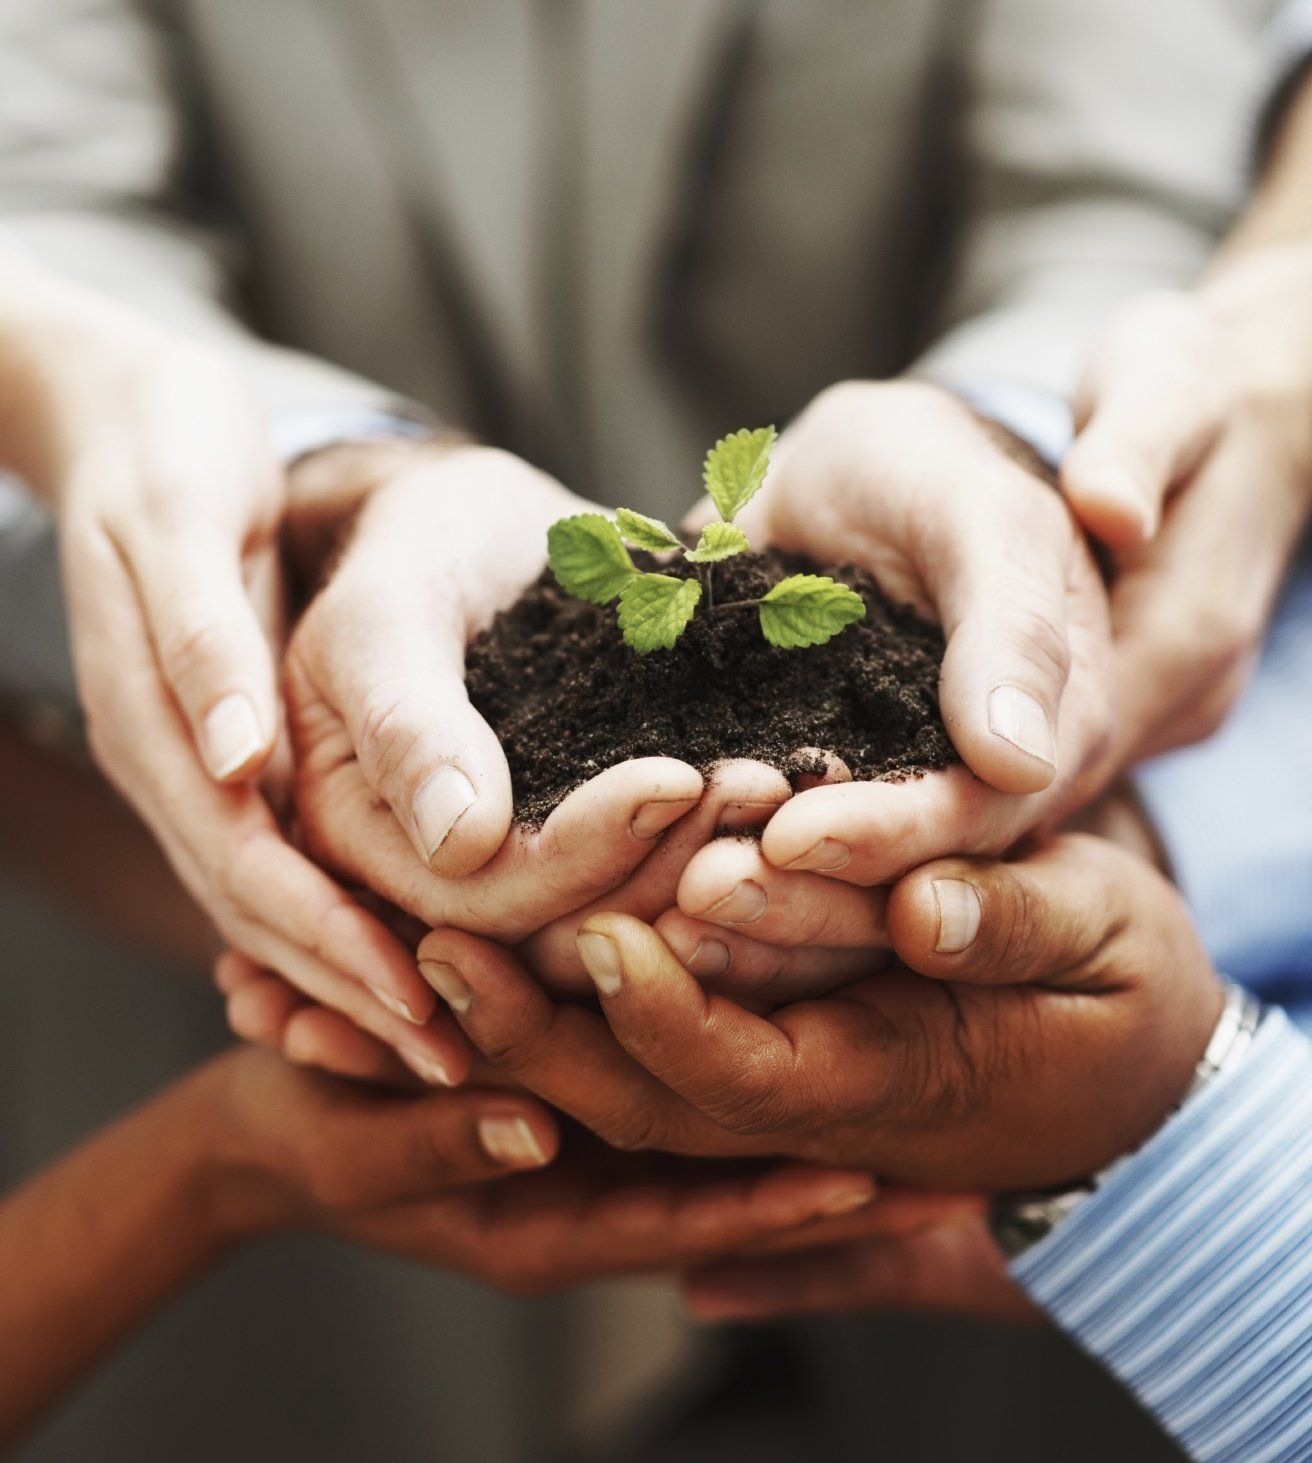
(808, 609)
(655, 610)
(644, 532)
(718, 541)
(735, 469)
(588, 557)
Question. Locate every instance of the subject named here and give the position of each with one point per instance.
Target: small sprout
(808, 609)
(655, 610)
(645, 533)
(588, 557)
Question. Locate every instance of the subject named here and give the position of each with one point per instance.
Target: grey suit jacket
(602, 231)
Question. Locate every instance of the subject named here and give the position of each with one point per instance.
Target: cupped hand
(154, 456)
(1047, 1014)
(272, 1012)
(401, 784)
(951, 517)
(1193, 461)
(451, 1179)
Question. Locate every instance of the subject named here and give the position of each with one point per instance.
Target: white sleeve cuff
(1036, 416)
(298, 430)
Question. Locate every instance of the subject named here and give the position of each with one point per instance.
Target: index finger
(773, 1077)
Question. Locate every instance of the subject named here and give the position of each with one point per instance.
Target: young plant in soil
(588, 556)
(567, 696)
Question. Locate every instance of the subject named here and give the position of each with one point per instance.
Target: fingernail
(1016, 717)
(426, 1065)
(827, 854)
(601, 960)
(656, 817)
(958, 915)
(743, 905)
(447, 981)
(711, 957)
(510, 1141)
(396, 1005)
(231, 735)
(847, 1200)
(439, 805)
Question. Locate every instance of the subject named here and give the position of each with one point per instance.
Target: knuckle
(1014, 924)
(1041, 644)
(516, 1051)
(387, 734)
(751, 1111)
(430, 1155)
(192, 649)
(634, 1128)
(758, 1097)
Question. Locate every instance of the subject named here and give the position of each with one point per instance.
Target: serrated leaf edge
(739, 504)
(689, 586)
(595, 518)
(801, 641)
(670, 541)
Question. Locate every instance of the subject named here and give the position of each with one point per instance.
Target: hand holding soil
(393, 761)
(608, 748)
(962, 1065)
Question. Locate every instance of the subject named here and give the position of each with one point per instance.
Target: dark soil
(568, 698)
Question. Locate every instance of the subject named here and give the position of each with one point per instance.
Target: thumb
(395, 675)
(1049, 918)
(1150, 405)
(1000, 582)
(212, 651)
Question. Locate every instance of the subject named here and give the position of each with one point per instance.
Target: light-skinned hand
(402, 786)
(904, 479)
(1193, 461)
(153, 454)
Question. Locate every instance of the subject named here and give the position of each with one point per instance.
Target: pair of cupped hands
(867, 988)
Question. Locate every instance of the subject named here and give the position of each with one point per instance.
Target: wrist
(328, 487)
(241, 1191)
(1020, 1221)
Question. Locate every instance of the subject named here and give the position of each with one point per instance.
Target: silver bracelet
(1019, 1221)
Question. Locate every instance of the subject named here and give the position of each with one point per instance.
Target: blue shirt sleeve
(1188, 1274)
(1235, 816)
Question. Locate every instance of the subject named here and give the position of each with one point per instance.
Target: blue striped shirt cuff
(1189, 1273)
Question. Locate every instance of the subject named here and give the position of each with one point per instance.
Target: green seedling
(588, 556)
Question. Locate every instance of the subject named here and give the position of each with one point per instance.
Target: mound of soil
(568, 698)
